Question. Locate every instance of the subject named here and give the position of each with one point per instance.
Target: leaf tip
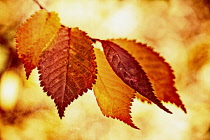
(61, 116)
(61, 112)
(183, 108)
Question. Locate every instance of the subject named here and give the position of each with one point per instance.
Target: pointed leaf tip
(129, 70)
(159, 72)
(67, 67)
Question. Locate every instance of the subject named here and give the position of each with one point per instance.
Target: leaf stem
(40, 6)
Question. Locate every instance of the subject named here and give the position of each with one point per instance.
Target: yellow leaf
(35, 35)
(114, 97)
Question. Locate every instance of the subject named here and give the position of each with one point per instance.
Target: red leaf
(158, 71)
(129, 70)
(67, 67)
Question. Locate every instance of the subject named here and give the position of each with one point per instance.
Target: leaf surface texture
(34, 35)
(114, 97)
(158, 71)
(67, 67)
(129, 70)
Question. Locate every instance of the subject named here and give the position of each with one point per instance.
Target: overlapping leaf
(34, 35)
(67, 67)
(66, 63)
(158, 71)
(114, 97)
(129, 70)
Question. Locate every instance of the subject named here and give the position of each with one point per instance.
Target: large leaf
(34, 35)
(158, 71)
(67, 67)
(114, 97)
(129, 70)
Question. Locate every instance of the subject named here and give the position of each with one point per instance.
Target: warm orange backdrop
(178, 30)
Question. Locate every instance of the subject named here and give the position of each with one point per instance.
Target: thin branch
(40, 6)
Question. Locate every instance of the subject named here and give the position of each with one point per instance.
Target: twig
(40, 6)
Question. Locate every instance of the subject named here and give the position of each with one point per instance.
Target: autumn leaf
(66, 62)
(113, 96)
(34, 35)
(129, 70)
(67, 67)
(158, 71)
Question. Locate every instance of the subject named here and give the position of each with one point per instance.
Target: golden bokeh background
(178, 30)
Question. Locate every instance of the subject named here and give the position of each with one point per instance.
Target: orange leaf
(114, 97)
(158, 71)
(34, 35)
(129, 70)
(67, 67)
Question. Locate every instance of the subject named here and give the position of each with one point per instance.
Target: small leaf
(129, 70)
(158, 71)
(34, 35)
(114, 97)
(67, 67)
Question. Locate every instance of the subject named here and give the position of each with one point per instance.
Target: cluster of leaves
(69, 65)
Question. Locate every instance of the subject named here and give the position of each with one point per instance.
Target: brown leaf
(34, 35)
(158, 71)
(129, 70)
(67, 67)
(114, 97)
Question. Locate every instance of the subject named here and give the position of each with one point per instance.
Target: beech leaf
(67, 67)
(129, 70)
(158, 71)
(113, 96)
(34, 35)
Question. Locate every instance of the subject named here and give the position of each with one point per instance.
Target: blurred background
(178, 30)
